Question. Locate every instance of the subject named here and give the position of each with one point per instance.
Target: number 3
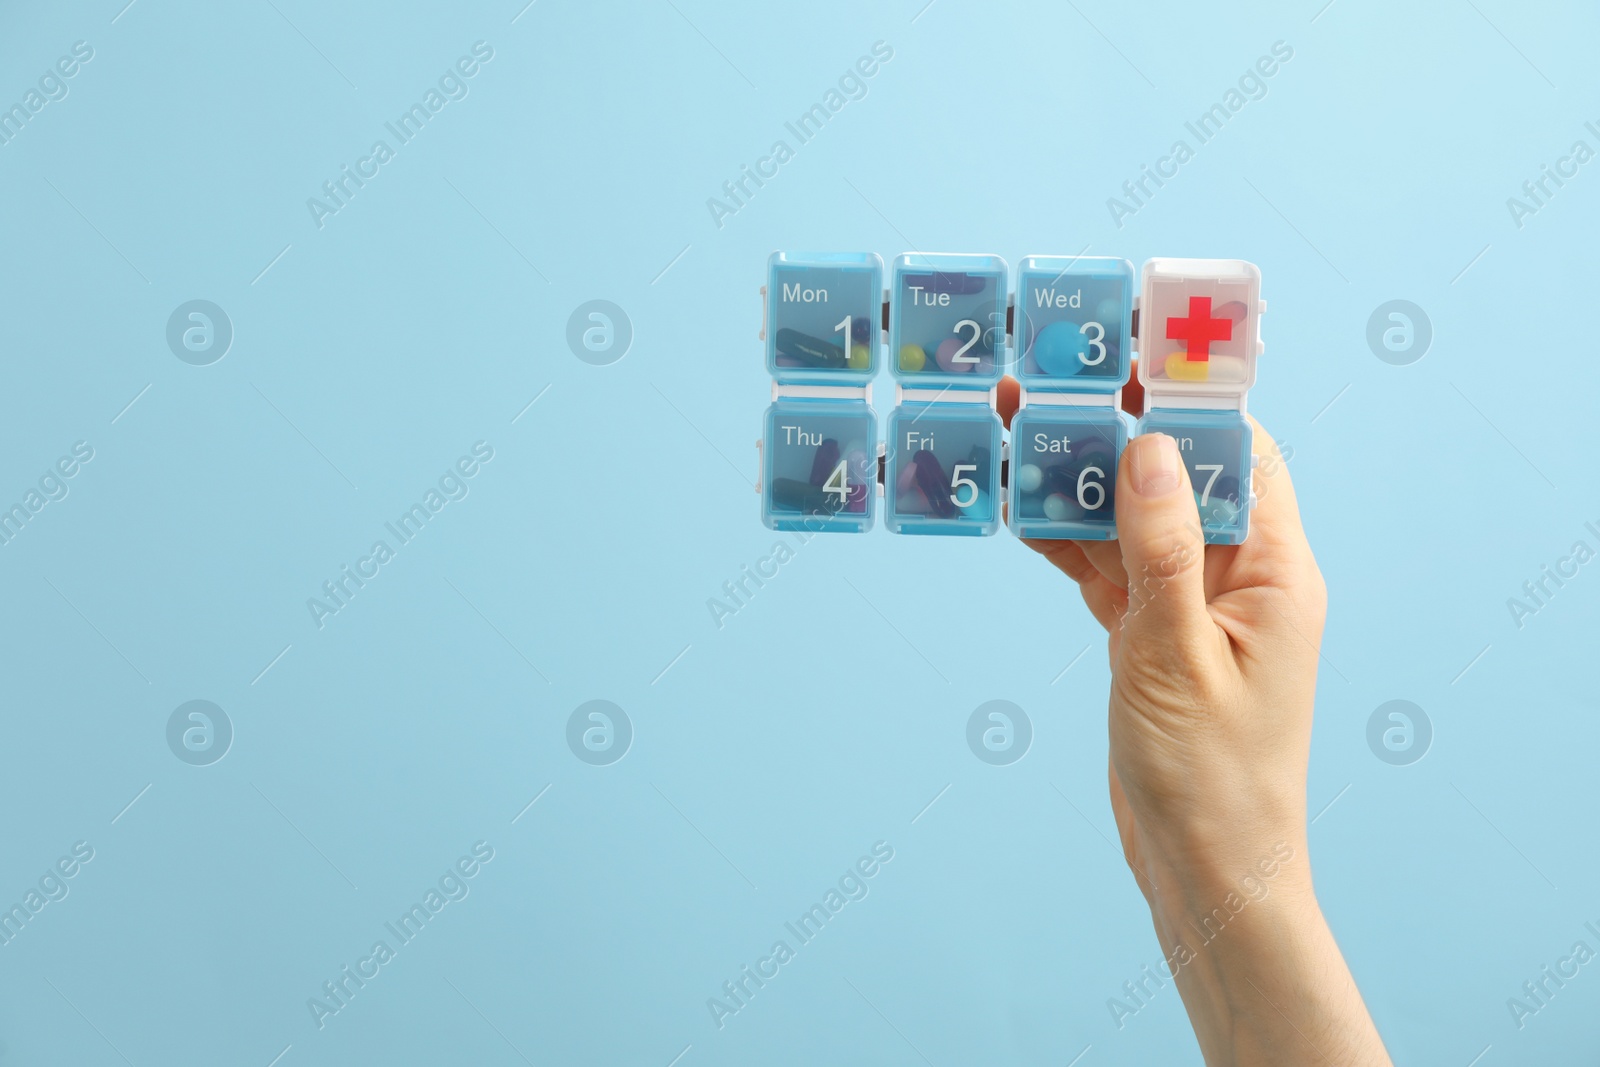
(1096, 342)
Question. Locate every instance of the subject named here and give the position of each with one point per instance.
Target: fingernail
(1153, 464)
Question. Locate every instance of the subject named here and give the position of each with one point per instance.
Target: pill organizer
(1069, 333)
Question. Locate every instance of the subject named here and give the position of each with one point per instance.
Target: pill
(1059, 478)
(809, 350)
(1093, 451)
(859, 478)
(1060, 349)
(860, 357)
(800, 496)
(1218, 512)
(931, 480)
(1219, 368)
(1226, 488)
(1233, 309)
(912, 358)
(1180, 368)
(824, 461)
(905, 476)
(911, 502)
(1030, 477)
(979, 457)
(981, 508)
(1108, 313)
(945, 356)
(861, 328)
(947, 282)
(1058, 508)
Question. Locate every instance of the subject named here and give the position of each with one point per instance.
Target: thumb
(1163, 550)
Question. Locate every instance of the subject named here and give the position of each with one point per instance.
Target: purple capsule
(826, 459)
(931, 480)
(955, 282)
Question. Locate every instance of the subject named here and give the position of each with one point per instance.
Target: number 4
(838, 483)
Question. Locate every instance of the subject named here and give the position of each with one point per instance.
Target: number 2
(961, 353)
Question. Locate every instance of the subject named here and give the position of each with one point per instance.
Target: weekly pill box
(948, 326)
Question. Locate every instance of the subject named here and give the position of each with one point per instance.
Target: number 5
(958, 483)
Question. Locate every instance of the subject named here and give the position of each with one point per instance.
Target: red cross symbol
(1199, 329)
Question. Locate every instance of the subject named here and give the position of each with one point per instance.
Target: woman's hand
(1214, 655)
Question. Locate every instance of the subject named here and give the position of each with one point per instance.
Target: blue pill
(1060, 349)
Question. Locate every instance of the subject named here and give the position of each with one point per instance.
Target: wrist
(1202, 889)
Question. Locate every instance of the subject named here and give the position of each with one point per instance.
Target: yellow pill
(860, 357)
(1180, 368)
(912, 357)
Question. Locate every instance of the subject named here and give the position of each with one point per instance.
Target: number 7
(1215, 469)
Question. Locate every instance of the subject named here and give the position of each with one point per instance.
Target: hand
(1214, 655)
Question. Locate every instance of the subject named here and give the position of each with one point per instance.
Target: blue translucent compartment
(947, 319)
(1073, 323)
(1064, 471)
(824, 314)
(1215, 446)
(819, 466)
(943, 472)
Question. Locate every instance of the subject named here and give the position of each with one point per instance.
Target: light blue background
(770, 753)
